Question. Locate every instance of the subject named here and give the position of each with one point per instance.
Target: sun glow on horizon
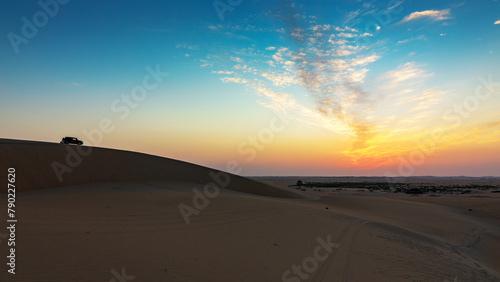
(358, 88)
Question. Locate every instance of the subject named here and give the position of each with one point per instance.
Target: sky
(326, 88)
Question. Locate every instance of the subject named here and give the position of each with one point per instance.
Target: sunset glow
(395, 88)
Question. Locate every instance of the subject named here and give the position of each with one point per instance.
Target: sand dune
(43, 165)
(117, 217)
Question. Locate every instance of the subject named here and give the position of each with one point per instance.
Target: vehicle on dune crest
(71, 140)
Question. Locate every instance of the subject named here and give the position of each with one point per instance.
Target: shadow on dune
(42, 165)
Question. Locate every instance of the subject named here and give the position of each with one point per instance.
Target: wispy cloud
(420, 37)
(348, 35)
(325, 60)
(408, 73)
(351, 16)
(234, 80)
(331, 65)
(435, 15)
(187, 46)
(223, 72)
(236, 59)
(424, 100)
(205, 63)
(409, 107)
(215, 27)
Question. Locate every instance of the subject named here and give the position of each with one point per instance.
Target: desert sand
(116, 217)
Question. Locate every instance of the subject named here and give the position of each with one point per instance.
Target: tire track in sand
(342, 241)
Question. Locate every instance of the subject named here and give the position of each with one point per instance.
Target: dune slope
(41, 165)
(119, 218)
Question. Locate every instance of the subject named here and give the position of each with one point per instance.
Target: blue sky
(353, 76)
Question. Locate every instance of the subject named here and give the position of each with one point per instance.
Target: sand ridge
(128, 226)
(42, 165)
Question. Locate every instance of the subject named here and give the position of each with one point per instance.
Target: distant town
(436, 185)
